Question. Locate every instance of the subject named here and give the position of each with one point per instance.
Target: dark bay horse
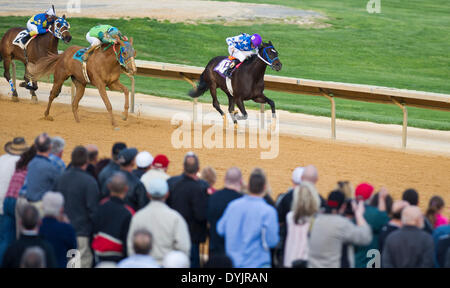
(39, 47)
(247, 81)
(103, 69)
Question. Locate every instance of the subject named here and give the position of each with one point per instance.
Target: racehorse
(39, 47)
(103, 70)
(247, 81)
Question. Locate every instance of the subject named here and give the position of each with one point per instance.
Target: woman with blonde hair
(304, 206)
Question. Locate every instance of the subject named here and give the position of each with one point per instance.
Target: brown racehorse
(103, 70)
(39, 47)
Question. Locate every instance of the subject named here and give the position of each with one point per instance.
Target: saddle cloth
(79, 54)
(222, 67)
(18, 39)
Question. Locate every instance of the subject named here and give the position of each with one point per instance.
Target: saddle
(20, 36)
(221, 69)
(79, 56)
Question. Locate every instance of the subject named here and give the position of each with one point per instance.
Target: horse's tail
(43, 67)
(201, 87)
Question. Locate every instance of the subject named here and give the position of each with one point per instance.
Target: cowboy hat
(16, 147)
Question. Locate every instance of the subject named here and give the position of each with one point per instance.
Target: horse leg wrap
(11, 84)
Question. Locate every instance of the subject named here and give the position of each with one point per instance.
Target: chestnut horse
(39, 47)
(247, 81)
(103, 69)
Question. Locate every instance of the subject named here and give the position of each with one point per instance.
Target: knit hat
(363, 191)
(126, 156)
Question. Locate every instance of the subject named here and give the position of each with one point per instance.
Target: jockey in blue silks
(39, 23)
(240, 48)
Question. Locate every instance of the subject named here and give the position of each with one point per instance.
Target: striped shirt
(16, 183)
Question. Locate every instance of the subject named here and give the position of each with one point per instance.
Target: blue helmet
(113, 31)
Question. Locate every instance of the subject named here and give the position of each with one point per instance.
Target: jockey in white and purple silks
(241, 47)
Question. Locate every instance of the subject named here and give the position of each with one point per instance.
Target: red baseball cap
(363, 191)
(160, 161)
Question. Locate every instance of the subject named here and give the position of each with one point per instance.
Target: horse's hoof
(23, 84)
(48, 118)
(15, 99)
(273, 126)
(34, 100)
(124, 117)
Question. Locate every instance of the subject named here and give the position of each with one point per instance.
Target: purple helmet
(256, 40)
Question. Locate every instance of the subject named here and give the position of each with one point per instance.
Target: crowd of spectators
(127, 212)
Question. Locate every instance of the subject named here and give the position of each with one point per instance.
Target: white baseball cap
(297, 175)
(157, 187)
(144, 159)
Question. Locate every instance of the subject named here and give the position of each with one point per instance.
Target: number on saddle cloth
(18, 39)
(79, 54)
(222, 67)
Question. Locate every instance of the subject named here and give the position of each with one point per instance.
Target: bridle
(57, 30)
(265, 58)
(119, 56)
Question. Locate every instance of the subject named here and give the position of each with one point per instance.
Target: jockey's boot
(25, 39)
(230, 69)
(88, 51)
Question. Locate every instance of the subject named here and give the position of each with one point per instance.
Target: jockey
(241, 47)
(101, 34)
(39, 23)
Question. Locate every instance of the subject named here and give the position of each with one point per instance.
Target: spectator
(267, 191)
(283, 206)
(219, 261)
(8, 161)
(92, 160)
(434, 212)
(136, 196)
(81, 197)
(42, 174)
(438, 233)
(142, 246)
(330, 230)
(176, 259)
(250, 227)
(298, 222)
(409, 246)
(112, 165)
(60, 235)
(8, 225)
(111, 222)
(394, 224)
(209, 175)
(33, 257)
(189, 197)
(443, 252)
(29, 238)
(346, 188)
(168, 227)
(144, 161)
(217, 203)
(158, 169)
(56, 153)
(376, 217)
(412, 197)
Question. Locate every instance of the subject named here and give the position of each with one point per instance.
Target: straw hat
(16, 147)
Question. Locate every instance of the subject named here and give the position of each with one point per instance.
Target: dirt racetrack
(394, 169)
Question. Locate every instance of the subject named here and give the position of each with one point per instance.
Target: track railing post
(194, 110)
(405, 121)
(262, 114)
(330, 97)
